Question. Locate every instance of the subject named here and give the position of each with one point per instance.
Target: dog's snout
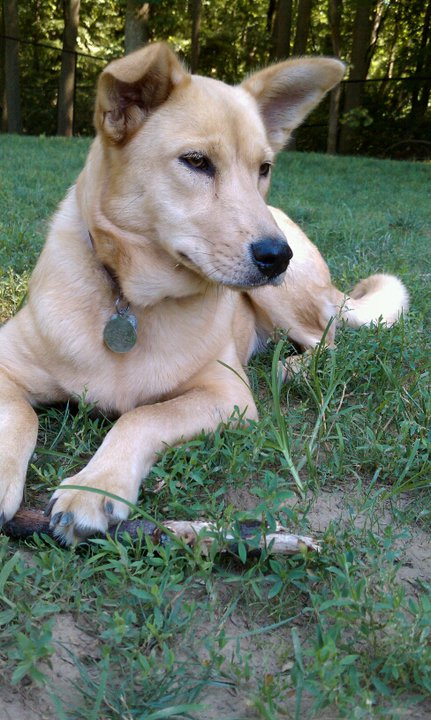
(271, 255)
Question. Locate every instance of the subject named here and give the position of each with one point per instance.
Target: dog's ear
(131, 87)
(288, 91)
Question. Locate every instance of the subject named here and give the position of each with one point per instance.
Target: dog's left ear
(288, 91)
(130, 88)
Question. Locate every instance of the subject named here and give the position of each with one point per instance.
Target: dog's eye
(265, 169)
(199, 162)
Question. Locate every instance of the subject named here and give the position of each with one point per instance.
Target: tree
(377, 38)
(282, 29)
(335, 8)
(422, 87)
(196, 8)
(3, 114)
(136, 32)
(365, 30)
(12, 97)
(66, 88)
(303, 19)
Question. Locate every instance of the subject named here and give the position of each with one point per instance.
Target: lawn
(122, 629)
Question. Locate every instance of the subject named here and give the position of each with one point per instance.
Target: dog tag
(120, 333)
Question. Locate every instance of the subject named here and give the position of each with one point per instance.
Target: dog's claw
(49, 507)
(61, 520)
(55, 520)
(67, 519)
(109, 507)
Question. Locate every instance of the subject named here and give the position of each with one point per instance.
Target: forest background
(52, 51)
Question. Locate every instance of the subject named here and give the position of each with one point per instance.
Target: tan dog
(163, 266)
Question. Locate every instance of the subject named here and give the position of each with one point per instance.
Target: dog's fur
(170, 204)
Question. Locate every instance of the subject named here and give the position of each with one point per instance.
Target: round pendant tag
(120, 334)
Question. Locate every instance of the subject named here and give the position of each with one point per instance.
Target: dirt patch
(341, 505)
(33, 702)
(234, 693)
(414, 564)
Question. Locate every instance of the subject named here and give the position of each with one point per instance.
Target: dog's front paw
(294, 365)
(11, 491)
(78, 514)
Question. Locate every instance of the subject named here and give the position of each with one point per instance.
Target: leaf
(242, 552)
(275, 588)
(336, 602)
(171, 712)
(7, 569)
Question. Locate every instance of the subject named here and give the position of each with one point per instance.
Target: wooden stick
(28, 521)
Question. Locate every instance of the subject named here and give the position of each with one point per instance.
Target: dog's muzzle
(271, 255)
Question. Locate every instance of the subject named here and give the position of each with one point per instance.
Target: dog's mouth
(265, 264)
(252, 277)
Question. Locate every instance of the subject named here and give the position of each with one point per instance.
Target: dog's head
(187, 162)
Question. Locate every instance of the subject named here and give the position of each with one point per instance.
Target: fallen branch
(28, 521)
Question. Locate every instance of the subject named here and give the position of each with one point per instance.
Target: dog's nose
(271, 255)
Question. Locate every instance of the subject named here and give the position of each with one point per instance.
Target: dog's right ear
(131, 87)
(288, 91)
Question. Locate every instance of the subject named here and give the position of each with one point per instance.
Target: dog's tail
(378, 297)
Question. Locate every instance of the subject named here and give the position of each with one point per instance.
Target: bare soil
(232, 698)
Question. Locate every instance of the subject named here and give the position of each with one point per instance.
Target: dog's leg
(131, 447)
(18, 434)
(308, 318)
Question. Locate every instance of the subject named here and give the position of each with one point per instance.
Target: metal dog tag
(120, 333)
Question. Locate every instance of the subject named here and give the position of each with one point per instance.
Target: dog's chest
(174, 341)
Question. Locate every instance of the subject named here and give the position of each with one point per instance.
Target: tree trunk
(335, 9)
(334, 113)
(196, 26)
(270, 15)
(12, 96)
(66, 89)
(363, 26)
(282, 29)
(3, 117)
(422, 88)
(302, 26)
(136, 31)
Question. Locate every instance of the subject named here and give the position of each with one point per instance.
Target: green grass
(170, 634)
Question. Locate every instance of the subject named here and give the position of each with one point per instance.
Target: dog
(163, 271)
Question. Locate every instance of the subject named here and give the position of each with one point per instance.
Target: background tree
(303, 18)
(12, 94)
(3, 112)
(68, 68)
(196, 9)
(421, 87)
(335, 9)
(136, 31)
(364, 38)
(380, 40)
(282, 29)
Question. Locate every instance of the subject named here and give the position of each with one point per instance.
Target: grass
(341, 452)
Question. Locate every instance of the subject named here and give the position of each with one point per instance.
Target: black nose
(271, 255)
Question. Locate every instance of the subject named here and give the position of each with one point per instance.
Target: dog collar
(120, 331)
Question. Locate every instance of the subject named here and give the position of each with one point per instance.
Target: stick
(28, 521)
